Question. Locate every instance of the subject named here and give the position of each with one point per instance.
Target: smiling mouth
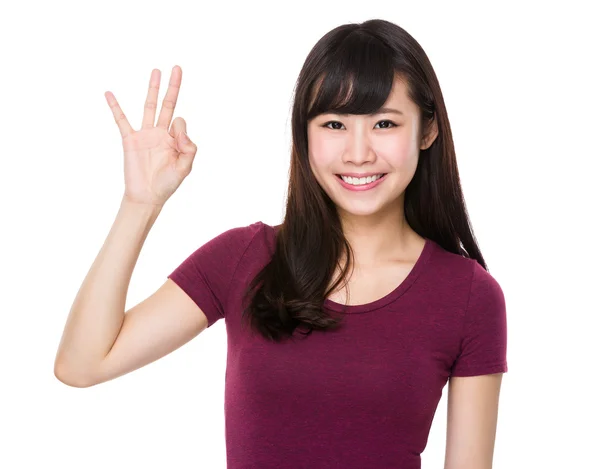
(364, 185)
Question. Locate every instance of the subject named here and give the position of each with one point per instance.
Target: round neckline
(394, 294)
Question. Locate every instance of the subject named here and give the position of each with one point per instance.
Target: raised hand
(157, 159)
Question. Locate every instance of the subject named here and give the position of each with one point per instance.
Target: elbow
(71, 379)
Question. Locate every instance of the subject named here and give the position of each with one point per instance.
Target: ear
(430, 136)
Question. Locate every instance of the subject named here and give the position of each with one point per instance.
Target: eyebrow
(382, 110)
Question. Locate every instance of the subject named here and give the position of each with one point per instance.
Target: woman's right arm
(100, 340)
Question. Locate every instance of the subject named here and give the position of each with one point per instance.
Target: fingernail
(184, 137)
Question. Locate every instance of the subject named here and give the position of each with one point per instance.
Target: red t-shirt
(360, 397)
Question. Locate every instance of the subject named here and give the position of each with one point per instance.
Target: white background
(520, 83)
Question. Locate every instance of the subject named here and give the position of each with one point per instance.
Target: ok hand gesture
(157, 158)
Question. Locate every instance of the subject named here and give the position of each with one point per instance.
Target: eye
(331, 122)
(389, 126)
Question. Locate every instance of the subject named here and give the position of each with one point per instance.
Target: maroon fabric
(365, 395)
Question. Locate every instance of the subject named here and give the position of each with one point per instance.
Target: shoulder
(239, 236)
(253, 242)
(464, 278)
(228, 246)
(485, 291)
(244, 232)
(451, 269)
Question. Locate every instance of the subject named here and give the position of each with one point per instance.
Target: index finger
(122, 122)
(168, 106)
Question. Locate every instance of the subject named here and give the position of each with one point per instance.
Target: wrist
(151, 210)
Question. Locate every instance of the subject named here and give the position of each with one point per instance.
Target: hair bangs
(357, 79)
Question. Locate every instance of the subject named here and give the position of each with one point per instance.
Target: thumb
(187, 151)
(184, 144)
(179, 124)
(184, 140)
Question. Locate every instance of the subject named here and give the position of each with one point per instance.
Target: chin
(359, 210)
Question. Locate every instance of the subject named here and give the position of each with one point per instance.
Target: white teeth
(361, 181)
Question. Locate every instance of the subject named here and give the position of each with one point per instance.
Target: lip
(364, 187)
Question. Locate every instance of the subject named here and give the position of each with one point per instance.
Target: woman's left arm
(471, 423)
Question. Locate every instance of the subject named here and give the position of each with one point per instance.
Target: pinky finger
(122, 122)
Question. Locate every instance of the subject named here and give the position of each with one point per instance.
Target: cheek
(317, 157)
(323, 155)
(398, 151)
(323, 151)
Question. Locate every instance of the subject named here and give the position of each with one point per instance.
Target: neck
(377, 240)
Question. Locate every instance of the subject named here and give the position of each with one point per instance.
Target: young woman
(344, 322)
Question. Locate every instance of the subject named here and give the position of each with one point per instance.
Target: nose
(359, 149)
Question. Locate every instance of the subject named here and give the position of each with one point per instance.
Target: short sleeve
(205, 275)
(484, 340)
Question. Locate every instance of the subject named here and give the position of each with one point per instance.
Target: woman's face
(386, 142)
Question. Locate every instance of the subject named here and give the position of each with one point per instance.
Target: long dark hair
(351, 70)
